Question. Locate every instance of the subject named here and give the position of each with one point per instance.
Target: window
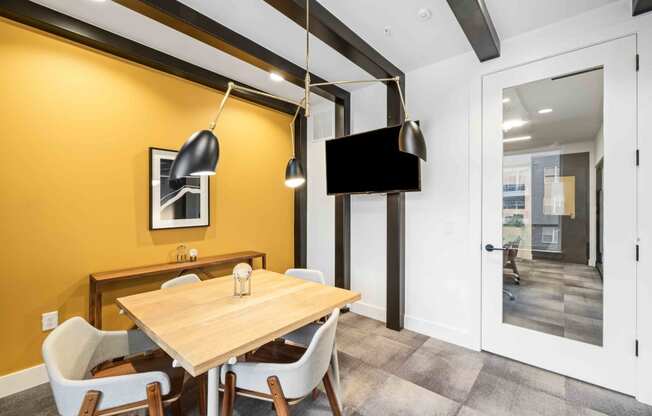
(550, 235)
(514, 202)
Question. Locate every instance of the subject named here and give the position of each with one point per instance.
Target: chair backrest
(314, 363)
(307, 274)
(69, 350)
(181, 280)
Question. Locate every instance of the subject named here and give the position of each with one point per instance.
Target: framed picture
(182, 203)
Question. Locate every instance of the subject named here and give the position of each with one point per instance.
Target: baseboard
(441, 332)
(420, 325)
(368, 310)
(22, 380)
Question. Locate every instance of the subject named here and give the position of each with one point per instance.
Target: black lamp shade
(197, 157)
(410, 140)
(294, 176)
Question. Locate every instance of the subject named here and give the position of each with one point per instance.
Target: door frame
(477, 132)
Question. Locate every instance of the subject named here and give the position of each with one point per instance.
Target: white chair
(202, 381)
(181, 280)
(73, 353)
(307, 274)
(303, 335)
(285, 384)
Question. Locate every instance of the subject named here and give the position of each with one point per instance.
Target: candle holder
(182, 253)
(242, 280)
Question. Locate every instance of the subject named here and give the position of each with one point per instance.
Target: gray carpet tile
(386, 373)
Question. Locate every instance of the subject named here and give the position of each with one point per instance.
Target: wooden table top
(170, 267)
(202, 325)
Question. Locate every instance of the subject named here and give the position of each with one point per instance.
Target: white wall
(321, 207)
(441, 96)
(369, 214)
(443, 247)
(599, 144)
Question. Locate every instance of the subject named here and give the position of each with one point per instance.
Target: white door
(559, 181)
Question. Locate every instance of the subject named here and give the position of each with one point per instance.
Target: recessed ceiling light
(275, 77)
(506, 100)
(545, 111)
(517, 139)
(513, 124)
(424, 14)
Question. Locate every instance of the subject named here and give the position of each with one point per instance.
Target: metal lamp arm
(397, 80)
(233, 86)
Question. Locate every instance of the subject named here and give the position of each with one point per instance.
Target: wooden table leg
(202, 382)
(92, 288)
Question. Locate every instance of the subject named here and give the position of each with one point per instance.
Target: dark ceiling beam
(330, 30)
(476, 23)
(641, 6)
(48, 20)
(186, 20)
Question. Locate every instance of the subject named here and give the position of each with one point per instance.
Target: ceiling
(413, 43)
(577, 110)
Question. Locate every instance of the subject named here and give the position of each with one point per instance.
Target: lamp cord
(306, 100)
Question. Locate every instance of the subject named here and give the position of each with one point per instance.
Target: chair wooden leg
(89, 405)
(202, 382)
(228, 400)
(154, 399)
(280, 403)
(315, 393)
(175, 407)
(330, 393)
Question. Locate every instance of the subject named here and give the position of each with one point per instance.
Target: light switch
(49, 320)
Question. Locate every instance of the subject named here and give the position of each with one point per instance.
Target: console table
(98, 280)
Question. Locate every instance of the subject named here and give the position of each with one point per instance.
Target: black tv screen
(370, 162)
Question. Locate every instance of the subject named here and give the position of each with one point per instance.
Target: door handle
(490, 248)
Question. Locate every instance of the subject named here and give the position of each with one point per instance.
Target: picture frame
(184, 204)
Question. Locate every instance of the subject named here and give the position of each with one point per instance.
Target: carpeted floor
(404, 373)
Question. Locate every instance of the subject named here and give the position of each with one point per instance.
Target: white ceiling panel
(263, 24)
(415, 43)
(412, 43)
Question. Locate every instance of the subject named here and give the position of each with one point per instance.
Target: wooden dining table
(203, 325)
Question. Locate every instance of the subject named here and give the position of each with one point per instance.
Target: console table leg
(91, 301)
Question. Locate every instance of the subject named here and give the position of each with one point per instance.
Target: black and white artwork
(176, 204)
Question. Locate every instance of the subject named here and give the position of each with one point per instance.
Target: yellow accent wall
(75, 128)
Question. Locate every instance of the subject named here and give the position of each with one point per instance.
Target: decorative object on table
(182, 254)
(200, 153)
(242, 279)
(178, 203)
(193, 254)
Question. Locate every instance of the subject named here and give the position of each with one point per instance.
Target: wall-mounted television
(370, 162)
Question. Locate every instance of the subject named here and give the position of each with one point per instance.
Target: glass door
(559, 213)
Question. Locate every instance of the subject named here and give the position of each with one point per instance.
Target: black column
(395, 227)
(301, 194)
(343, 206)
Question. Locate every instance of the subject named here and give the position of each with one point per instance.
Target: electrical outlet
(49, 320)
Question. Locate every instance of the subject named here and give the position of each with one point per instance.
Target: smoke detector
(424, 14)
